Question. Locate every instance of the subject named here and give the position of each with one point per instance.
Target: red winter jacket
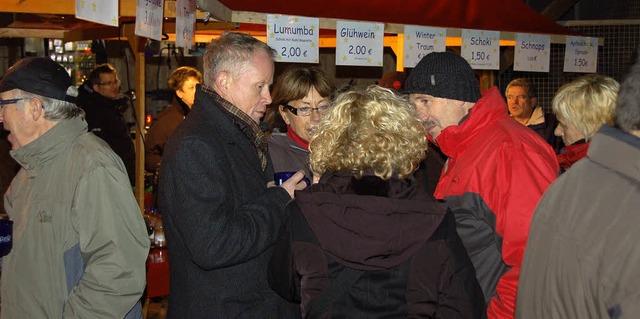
(496, 173)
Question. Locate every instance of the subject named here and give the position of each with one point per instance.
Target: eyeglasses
(5, 103)
(306, 111)
(110, 83)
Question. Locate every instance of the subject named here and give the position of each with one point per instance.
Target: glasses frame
(295, 110)
(5, 103)
(110, 83)
(12, 101)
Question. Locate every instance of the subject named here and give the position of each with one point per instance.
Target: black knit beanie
(445, 75)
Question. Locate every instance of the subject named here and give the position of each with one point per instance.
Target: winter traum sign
(420, 41)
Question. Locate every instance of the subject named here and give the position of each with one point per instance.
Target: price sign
(359, 43)
(185, 23)
(295, 39)
(98, 11)
(420, 41)
(481, 49)
(149, 15)
(581, 54)
(532, 52)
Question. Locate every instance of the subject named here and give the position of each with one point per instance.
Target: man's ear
(34, 108)
(534, 102)
(223, 81)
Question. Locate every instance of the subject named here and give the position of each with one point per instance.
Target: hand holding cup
(291, 181)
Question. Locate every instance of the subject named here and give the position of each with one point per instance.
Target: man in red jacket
(496, 172)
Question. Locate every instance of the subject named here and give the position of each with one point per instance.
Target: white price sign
(149, 15)
(420, 41)
(581, 54)
(481, 49)
(185, 23)
(532, 52)
(359, 43)
(99, 11)
(295, 39)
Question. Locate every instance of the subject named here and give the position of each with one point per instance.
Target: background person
(79, 241)
(582, 107)
(301, 96)
(522, 101)
(582, 258)
(182, 81)
(220, 218)
(496, 172)
(368, 217)
(100, 98)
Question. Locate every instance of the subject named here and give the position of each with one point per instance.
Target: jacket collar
(49, 145)
(456, 138)
(537, 117)
(616, 150)
(179, 105)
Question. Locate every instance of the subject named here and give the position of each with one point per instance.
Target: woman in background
(582, 106)
(300, 97)
(366, 240)
(182, 81)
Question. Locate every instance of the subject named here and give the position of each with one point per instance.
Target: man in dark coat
(100, 98)
(220, 216)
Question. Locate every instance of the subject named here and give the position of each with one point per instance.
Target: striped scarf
(245, 123)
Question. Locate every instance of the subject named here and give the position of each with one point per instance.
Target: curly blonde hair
(369, 130)
(587, 102)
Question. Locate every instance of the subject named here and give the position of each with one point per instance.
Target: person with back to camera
(182, 82)
(582, 107)
(582, 258)
(219, 214)
(366, 240)
(100, 98)
(79, 240)
(301, 96)
(496, 172)
(522, 101)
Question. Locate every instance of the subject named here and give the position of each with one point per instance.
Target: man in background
(496, 172)
(100, 98)
(522, 101)
(79, 240)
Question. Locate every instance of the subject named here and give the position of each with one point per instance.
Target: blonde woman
(366, 240)
(582, 106)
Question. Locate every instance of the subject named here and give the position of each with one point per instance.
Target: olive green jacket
(79, 240)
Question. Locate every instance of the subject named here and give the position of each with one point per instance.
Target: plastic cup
(280, 177)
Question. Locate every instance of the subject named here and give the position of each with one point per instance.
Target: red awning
(499, 15)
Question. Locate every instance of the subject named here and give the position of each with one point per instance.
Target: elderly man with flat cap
(496, 172)
(79, 240)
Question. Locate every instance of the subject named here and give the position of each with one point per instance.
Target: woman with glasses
(300, 97)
